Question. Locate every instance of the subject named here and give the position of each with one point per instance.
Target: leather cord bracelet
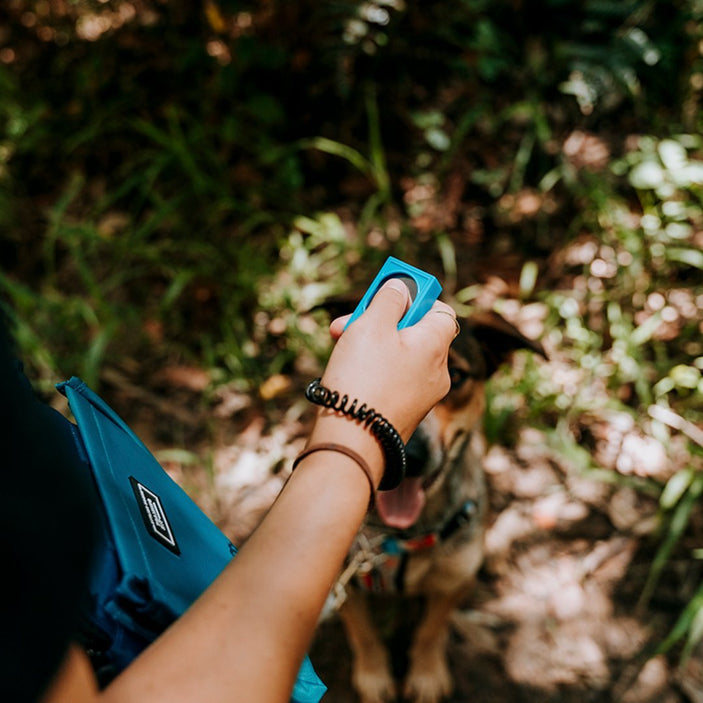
(329, 446)
(387, 436)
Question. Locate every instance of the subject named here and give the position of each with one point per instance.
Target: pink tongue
(402, 506)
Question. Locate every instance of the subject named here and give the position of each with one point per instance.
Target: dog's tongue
(401, 506)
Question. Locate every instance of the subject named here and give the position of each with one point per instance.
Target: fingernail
(397, 284)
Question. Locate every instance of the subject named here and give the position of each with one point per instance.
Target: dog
(425, 538)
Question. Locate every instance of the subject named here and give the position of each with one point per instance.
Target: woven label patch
(154, 516)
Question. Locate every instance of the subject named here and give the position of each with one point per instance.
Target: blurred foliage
(192, 181)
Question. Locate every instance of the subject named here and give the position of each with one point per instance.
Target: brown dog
(425, 538)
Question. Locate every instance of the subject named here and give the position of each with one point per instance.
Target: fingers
(337, 326)
(392, 301)
(441, 319)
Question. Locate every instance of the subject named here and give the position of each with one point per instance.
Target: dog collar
(390, 560)
(399, 545)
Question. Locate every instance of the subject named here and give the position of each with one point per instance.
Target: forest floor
(557, 613)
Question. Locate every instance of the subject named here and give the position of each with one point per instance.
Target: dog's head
(485, 342)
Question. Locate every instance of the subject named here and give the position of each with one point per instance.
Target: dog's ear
(498, 339)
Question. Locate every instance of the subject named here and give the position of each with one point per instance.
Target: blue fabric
(162, 551)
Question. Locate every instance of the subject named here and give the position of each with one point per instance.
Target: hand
(400, 373)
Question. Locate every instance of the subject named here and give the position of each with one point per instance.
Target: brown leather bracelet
(328, 446)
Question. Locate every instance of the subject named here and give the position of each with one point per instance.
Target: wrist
(364, 417)
(330, 427)
(333, 448)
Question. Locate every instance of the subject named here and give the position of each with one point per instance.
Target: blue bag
(158, 550)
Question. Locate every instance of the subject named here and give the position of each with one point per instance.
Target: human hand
(400, 373)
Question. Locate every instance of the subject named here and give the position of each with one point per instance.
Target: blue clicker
(424, 290)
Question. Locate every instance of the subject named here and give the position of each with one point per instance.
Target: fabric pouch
(158, 550)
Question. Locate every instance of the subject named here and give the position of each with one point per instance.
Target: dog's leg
(428, 679)
(371, 670)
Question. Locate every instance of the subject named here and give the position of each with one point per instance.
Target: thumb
(391, 302)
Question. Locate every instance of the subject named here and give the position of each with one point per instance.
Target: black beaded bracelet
(387, 436)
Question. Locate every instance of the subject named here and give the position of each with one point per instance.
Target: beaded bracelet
(387, 436)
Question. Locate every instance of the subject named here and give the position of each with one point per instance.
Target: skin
(252, 627)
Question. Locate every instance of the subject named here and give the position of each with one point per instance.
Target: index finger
(337, 326)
